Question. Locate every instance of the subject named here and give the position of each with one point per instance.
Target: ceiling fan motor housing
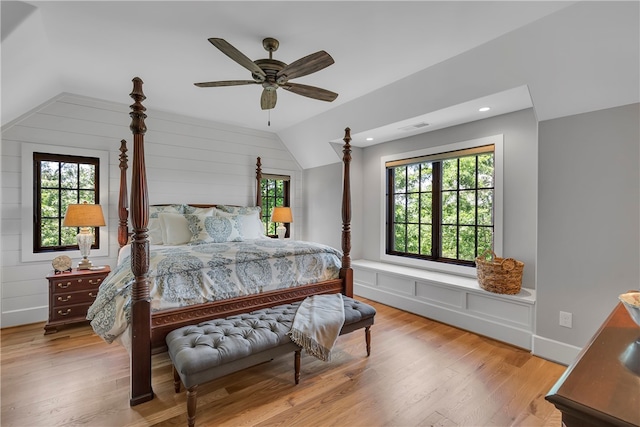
(271, 67)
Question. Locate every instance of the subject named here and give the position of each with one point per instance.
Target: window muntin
(440, 207)
(60, 180)
(276, 191)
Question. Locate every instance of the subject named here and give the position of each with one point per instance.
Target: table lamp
(282, 215)
(84, 216)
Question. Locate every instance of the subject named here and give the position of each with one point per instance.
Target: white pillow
(251, 226)
(154, 226)
(193, 210)
(216, 229)
(175, 229)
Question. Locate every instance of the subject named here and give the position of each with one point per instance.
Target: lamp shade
(281, 214)
(83, 215)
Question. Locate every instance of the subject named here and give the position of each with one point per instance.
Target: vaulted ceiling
(396, 63)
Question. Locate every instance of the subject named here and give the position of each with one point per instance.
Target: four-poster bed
(148, 329)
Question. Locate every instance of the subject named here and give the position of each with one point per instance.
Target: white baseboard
(24, 317)
(554, 350)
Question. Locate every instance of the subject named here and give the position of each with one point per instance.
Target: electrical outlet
(565, 319)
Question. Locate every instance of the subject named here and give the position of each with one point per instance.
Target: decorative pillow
(175, 229)
(250, 224)
(193, 210)
(216, 229)
(154, 226)
(243, 210)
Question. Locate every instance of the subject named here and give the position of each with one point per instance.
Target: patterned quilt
(192, 274)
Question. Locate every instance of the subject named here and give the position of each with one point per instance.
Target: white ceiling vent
(414, 126)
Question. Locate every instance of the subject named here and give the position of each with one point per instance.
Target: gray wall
(520, 182)
(572, 197)
(322, 202)
(588, 241)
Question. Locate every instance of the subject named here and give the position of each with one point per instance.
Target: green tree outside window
(441, 207)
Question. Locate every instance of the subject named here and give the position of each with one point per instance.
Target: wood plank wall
(188, 161)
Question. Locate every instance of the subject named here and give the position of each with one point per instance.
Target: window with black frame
(61, 180)
(275, 193)
(440, 207)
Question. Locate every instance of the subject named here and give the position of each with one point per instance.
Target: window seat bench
(455, 300)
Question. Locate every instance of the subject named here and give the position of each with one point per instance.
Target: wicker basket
(499, 275)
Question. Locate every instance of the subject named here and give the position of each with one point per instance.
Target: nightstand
(70, 296)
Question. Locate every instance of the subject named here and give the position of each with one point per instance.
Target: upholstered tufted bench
(218, 347)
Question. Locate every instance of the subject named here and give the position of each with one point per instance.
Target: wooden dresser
(602, 387)
(70, 296)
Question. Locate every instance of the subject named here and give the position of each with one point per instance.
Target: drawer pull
(91, 282)
(64, 285)
(66, 298)
(92, 295)
(65, 313)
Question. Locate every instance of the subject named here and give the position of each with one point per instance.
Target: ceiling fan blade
(226, 83)
(268, 99)
(233, 53)
(304, 66)
(310, 91)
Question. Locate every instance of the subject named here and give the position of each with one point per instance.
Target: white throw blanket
(317, 324)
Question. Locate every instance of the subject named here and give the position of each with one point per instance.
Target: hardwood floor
(420, 373)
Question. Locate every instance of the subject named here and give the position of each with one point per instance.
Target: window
(28, 233)
(59, 181)
(275, 192)
(443, 205)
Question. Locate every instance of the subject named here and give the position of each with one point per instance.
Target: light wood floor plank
(420, 373)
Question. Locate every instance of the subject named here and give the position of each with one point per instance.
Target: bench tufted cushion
(355, 311)
(245, 339)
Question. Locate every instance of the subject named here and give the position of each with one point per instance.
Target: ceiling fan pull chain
(269, 120)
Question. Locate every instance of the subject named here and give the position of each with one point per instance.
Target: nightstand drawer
(73, 284)
(70, 312)
(70, 298)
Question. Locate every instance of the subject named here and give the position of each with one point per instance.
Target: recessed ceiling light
(369, 139)
(483, 109)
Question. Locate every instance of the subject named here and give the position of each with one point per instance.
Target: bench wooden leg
(176, 380)
(192, 396)
(297, 365)
(367, 337)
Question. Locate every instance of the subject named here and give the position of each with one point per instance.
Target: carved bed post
(123, 203)
(346, 273)
(258, 180)
(141, 390)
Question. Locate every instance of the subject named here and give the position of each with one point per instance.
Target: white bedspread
(192, 274)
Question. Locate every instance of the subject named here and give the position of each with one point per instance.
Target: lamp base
(85, 264)
(281, 231)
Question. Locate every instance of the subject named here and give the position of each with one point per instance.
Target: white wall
(187, 160)
(589, 206)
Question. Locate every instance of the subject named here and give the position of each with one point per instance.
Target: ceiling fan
(272, 74)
